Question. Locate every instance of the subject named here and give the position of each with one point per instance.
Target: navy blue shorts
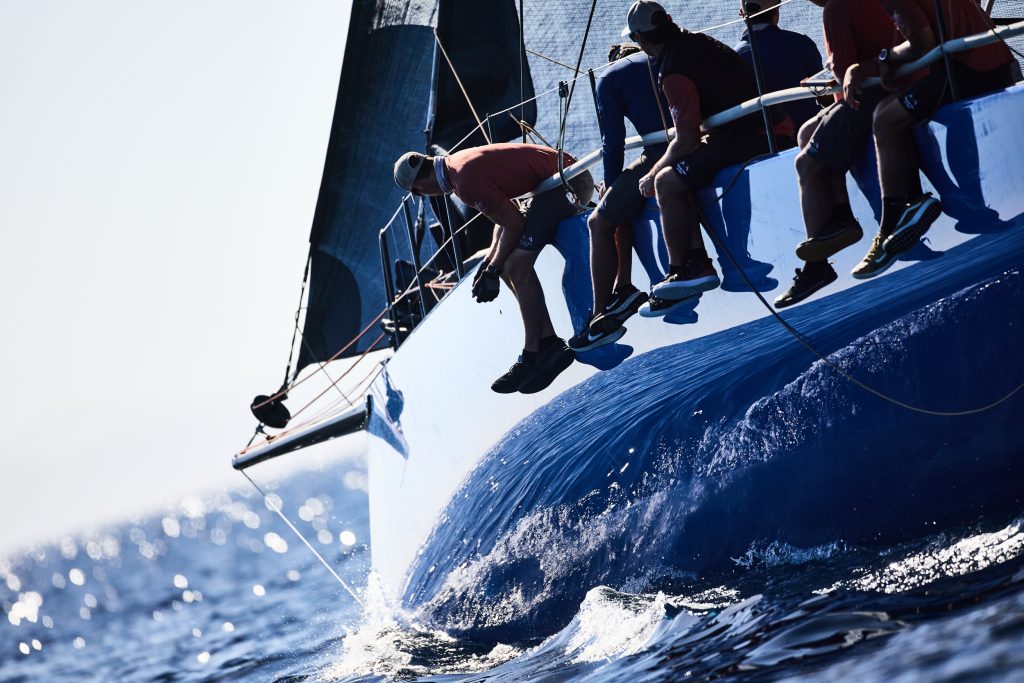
(545, 211)
(719, 149)
(927, 94)
(840, 137)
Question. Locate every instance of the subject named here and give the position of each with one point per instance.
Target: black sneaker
(807, 282)
(656, 307)
(625, 302)
(876, 261)
(549, 364)
(840, 236)
(913, 224)
(510, 382)
(602, 329)
(697, 276)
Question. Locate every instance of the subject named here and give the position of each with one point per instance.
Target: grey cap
(407, 168)
(644, 16)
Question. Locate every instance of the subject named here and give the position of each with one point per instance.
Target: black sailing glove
(487, 284)
(479, 274)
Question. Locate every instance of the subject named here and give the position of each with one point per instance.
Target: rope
(550, 59)
(366, 329)
(465, 94)
(328, 410)
(273, 506)
(298, 313)
(657, 100)
(723, 247)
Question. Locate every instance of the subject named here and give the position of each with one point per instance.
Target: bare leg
(679, 221)
(897, 153)
(624, 249)
(602, 258)
(526, 286)
(820, 190)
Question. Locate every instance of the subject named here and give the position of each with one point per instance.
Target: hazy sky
(159, 167)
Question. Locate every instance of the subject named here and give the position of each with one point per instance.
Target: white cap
(644, 16)
(407, 168)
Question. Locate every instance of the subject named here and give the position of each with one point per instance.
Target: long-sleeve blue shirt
(786, 58)
(625, 91)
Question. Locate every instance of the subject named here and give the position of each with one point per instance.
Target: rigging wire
(564, 115)
(465, 94)
(522, 64)
(273, 506)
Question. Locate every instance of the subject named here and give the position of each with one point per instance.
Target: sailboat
(388, 272)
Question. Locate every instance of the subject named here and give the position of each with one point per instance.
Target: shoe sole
(543, 378)
(647, 312)
(634, 302)
(686, 288)
(806, 295)
(874, 273)
(507, 390)
(821, 248)
(904, 239)
(609, 338)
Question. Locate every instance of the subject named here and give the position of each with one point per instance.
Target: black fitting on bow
(271, 411)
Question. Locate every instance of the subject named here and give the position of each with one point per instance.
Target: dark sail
(482, 40)
(381, 112)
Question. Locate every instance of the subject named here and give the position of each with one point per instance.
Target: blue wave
(678, 462)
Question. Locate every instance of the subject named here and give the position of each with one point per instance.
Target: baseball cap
(407, 168)
(643, 16)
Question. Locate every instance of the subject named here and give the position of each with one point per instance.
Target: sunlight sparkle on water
(77, 576)
(347, 537)
(180, 582)
(258, 590)
(274, 541)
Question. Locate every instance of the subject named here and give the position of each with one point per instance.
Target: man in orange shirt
(907, 214)
(489, 178)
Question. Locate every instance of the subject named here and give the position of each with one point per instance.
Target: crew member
(489, 178)
(699, 76)
(626, 90)
(855, 32)
(785, 57)
(907, 213)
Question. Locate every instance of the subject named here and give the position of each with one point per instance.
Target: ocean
(710, 529)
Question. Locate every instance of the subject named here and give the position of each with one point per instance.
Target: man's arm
(509, 226)
(613, 141)
(841, 42)
(684, 106)
(913, 24)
